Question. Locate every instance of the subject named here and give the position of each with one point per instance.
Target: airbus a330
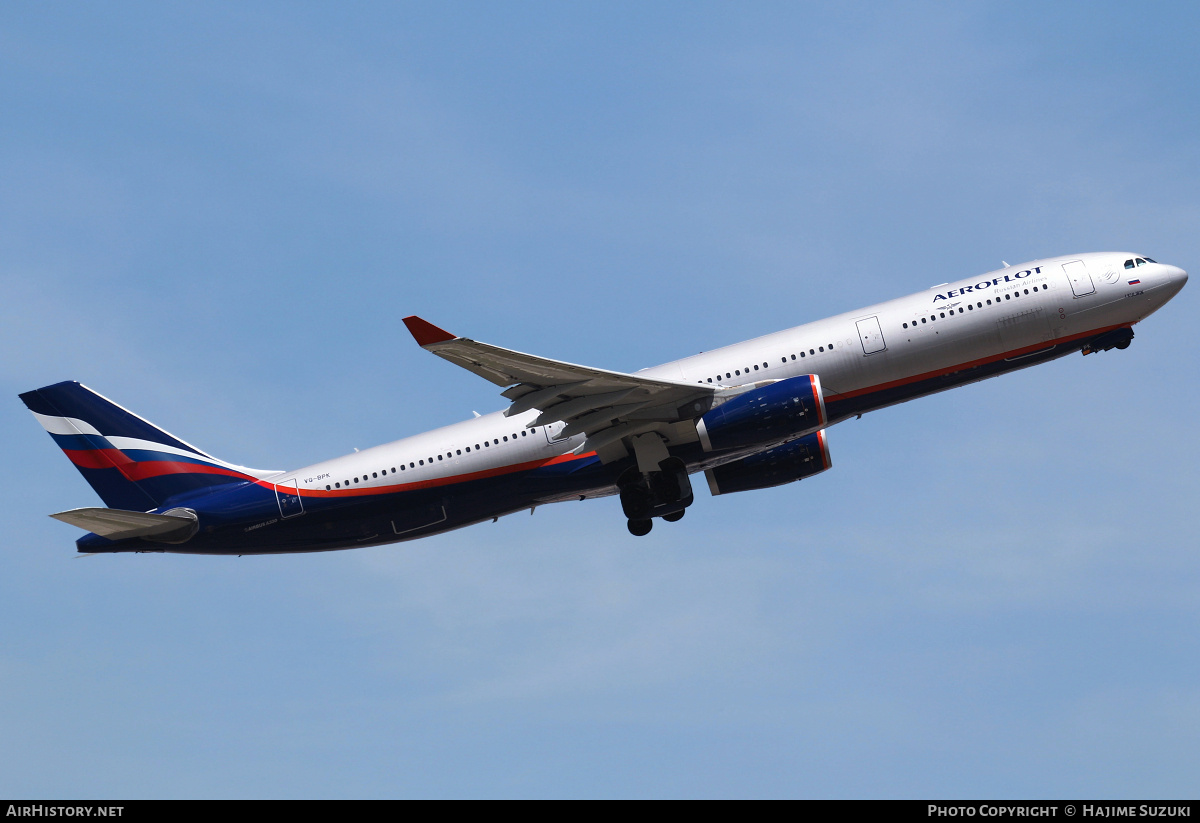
(748, 416)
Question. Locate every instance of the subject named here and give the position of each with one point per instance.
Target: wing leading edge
(606, 406)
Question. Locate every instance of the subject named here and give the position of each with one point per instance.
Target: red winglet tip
(425, 332)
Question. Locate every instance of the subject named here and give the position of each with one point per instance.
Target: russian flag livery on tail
(131, 463)
(750, 416)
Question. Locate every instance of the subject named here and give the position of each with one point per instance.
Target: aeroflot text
(987, 284)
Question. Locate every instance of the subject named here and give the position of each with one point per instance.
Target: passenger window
(822, 348)
(922, 319)
(906, 325)
(802, 354)
(422, 462)
(339, 485)
(943, 315)
(327, 488)
(756, 367)
(812, 351)
(970, 307)
(794, 356)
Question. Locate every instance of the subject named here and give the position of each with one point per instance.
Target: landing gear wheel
(675, 517)
(636, 503)
(640, 528)
(1124, 344)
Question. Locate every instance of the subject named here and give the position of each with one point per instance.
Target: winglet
(426, 333)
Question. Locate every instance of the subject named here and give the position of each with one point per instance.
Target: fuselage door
(554, 432)
(1081, 281)
(871, 335)
(288, 496)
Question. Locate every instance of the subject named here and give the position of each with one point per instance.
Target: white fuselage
(1017, 311)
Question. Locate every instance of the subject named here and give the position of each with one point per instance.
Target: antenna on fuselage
(1005, 262)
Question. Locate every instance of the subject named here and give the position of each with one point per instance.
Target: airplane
(751, 415)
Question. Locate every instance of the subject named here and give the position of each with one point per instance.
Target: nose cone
(1176, 278)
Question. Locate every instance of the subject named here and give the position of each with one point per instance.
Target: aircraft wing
(607, 406)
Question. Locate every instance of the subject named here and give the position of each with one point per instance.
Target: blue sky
(218, 214)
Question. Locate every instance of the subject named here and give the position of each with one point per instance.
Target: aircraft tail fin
(131, 463)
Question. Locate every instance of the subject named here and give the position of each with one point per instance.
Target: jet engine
(766, 413)
(796, 460)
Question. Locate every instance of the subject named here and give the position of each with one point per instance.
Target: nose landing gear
(1115, 339)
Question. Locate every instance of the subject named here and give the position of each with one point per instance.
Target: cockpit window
(1148, 260)
(1129, 264)
(1141, 262)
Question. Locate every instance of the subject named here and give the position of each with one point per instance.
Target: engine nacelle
(783, 464)
(764, 414)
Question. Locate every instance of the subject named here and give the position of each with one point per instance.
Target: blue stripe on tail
(131, 463)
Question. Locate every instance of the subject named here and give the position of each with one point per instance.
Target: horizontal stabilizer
(118, 524)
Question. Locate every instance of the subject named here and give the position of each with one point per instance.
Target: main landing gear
(665, 493)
